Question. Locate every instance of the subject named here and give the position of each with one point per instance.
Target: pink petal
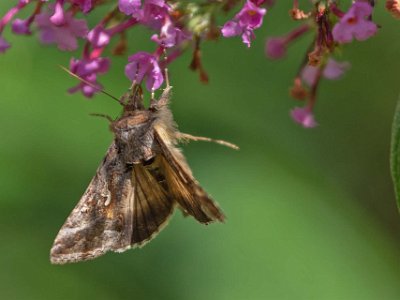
(58, 17)
(231, 28)
(275, 48)
(364, 30)
(129, 7)
(4, 45)
(335, 69)
(98, 37)
(20, 26)
(309, 74)
(303, 116)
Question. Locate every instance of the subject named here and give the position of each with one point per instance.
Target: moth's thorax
(131, 119)
(134, 135)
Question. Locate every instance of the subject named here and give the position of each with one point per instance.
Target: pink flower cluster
(57, 24)
(249, 18)
(88, 69)
(355, 24)
(177, 26)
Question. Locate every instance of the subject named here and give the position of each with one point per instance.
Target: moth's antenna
(185, 136)
(90, 84)
(102, 116)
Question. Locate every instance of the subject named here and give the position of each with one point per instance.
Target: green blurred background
(310, 213)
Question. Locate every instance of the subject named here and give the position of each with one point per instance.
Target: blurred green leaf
(395, 153)
(310, 214)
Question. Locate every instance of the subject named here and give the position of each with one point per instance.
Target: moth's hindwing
(184, 188)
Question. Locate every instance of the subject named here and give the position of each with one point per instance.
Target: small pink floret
(85, 5)
(304, 117)
(170, 35)
(355, 24)
(65, 35)
(58, 18)
(151, 13)
(144, 65)
(250, 17)
(4, 45)
(129, 7)
(275, 48)
(20, 26)
(231, 28)
(88, 69)
(98, 37)
(333, 70)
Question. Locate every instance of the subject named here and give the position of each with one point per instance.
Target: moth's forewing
(102, 219)
(124, 206)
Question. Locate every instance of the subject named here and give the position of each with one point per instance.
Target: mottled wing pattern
(191, 197)
(102, 219)
(123, 206)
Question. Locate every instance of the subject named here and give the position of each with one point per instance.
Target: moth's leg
(166, 70)
(165, 96)
(110, 119)
(187, 137)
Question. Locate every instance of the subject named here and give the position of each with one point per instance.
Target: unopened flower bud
(393, 6)
(297, 91)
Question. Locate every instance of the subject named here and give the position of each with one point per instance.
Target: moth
(137, 186)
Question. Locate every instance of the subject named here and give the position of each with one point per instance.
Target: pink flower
(88, 69)
(275, 48)
(8, 16)
(231, 28)
(20, 26)
(85, 5)
(333, 70)
(303, 116)
(244, 23)
(141, 65)
(251, 15)
(4, 45)
(258, 2)
(58, 18)
(354, 24)
(64, 35)
(154, 13)
(129, 7)
(98, 37)
(170, 35)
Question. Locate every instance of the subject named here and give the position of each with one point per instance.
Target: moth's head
(133, 99)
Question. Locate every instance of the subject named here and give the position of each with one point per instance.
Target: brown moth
(142, 178)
